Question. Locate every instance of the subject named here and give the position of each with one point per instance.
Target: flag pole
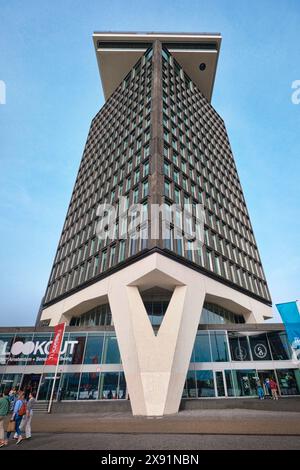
(56, 371)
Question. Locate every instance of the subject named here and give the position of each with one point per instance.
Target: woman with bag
(18, 413)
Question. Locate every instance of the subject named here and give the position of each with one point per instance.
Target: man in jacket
(4, 409)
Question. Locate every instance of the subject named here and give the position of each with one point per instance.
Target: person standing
(4, 409)
(27, 418)
(260, 391)
(17, 416)
(274, 389)
(267, 387)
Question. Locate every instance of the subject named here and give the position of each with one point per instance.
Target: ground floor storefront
(225, 363)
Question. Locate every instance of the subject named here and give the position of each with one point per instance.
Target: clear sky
(53, 90)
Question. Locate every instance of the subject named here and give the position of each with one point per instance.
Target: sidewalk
(225, 421)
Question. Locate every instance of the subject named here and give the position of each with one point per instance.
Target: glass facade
(215, 367)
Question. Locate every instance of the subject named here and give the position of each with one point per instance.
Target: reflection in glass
(10, 381)
(229, 383)
(122, 386)
(239, 347)
(219, 347)
(244, 382)
(94, 346)
(201, 348)
(109, 385)
(259, 347)
(205, 383)
(69, 386)
(288, 381)
(89, 383)
(111, 354)
(191, 384)
(220, 384)
(77, 356)
(279, 345)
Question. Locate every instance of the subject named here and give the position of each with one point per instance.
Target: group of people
(271, 389)
(20, 405)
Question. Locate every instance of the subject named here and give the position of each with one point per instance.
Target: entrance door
(263, 375)
(30, 383)
(220, 384)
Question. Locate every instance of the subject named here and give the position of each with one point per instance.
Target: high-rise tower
(156, 141)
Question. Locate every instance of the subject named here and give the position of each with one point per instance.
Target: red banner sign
(53, 355)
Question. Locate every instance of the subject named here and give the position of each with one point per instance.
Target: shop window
(111, 354)
(109, 385)
(259, 347)
(279, 344)
(201, 351)
(89, 383)
(289, 381)
(69, 386)
(239, 347)
(205, 383)
(94, 346)
(219, 347)
(244, 382)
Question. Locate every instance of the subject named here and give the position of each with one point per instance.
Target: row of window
(112, 385)
(102, 348)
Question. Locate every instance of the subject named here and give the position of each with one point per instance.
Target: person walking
(18, 412)
(260, 390)
(12, 396)
(4, 409)
(274, 389)
(27, 418)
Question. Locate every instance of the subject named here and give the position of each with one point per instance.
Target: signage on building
(290, 314)
(55, 348)
(33, 351)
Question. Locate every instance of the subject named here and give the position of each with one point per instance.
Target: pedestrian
(267, 387)
(12, 398)
(18, 412)
(4, 409)
(260, 391)
(274, 388)
(27, 418)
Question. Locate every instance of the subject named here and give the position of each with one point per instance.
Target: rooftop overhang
(117, 53)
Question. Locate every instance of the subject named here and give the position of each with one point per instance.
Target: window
(88, 389)
(167, 188)
(205, 383)
(219, 347)
(201, 351)
(239, 347)
(94, 346)
(112, 255)
(279, 345)
(145, 189)
(111, 354)
(121, 251)
(103, 260)
(146, 169)
(167, 169)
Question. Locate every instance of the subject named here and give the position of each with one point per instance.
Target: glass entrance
(30, 383)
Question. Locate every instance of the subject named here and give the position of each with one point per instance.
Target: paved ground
(233, 421)
(88, 441)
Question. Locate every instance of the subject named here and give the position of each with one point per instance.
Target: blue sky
(53, 90)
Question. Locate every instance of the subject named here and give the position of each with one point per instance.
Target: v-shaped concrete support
(156, 366)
